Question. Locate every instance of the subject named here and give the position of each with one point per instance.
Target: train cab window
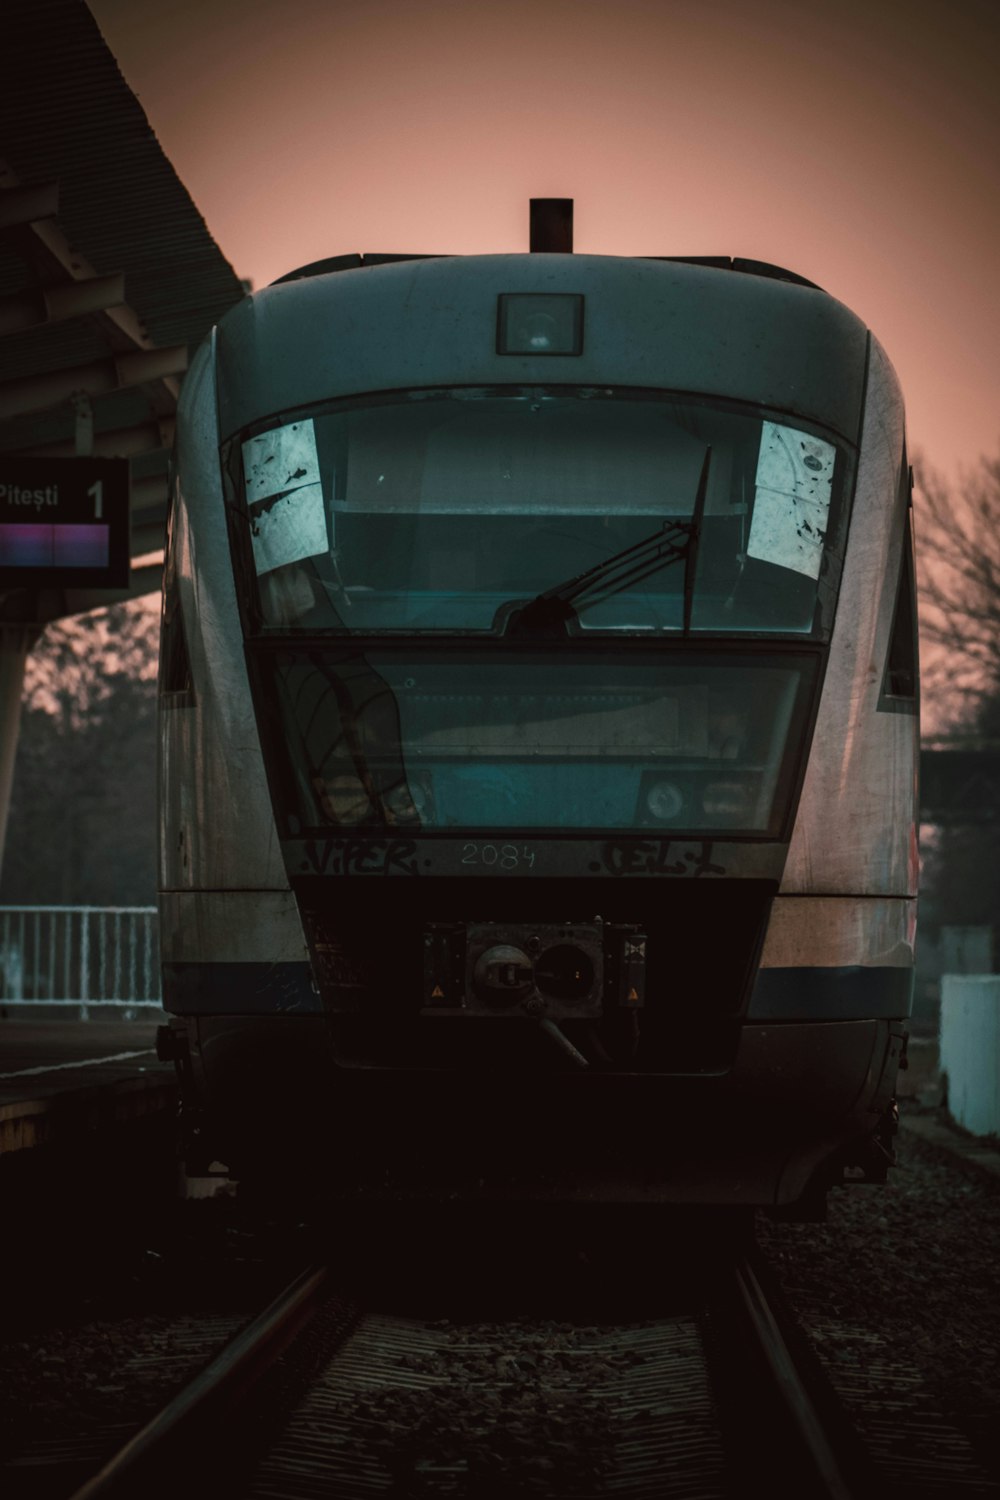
(446, 510)
(899, 686)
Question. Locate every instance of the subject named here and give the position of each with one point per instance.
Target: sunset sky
(854, 141)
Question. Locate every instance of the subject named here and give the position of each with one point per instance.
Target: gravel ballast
(911, 1269)
(903, 1278)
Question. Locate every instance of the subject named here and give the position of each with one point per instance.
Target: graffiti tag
(660, 857)
(361, 856)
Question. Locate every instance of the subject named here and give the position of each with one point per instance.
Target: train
(539, 733)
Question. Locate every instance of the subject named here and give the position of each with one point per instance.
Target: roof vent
(551, 226)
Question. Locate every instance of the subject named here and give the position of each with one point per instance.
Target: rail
(154, 1461)
(636, 1408)
(79, 956)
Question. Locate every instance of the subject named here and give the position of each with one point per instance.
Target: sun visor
(792, 507)
(284, 496)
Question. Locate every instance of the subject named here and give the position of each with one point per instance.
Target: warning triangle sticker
(437, 993)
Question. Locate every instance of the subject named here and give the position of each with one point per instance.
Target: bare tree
(78, 663)
(958, 553)
(958, 565)
(83, 813)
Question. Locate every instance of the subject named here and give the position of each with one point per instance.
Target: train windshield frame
(462, 511)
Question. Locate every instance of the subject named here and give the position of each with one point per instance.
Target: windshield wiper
(675, 541)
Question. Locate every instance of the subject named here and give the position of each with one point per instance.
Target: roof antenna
(551, 226)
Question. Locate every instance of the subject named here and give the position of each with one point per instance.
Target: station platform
(61, 1078)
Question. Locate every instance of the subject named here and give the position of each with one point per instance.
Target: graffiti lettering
(660, 857)
(361, 857)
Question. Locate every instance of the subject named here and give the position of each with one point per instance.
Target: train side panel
(840, 938)
(229, 925)
(855, 827)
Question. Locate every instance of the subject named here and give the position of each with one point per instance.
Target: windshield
(447, 511)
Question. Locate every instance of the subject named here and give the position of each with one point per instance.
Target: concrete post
(15, 643)
(970, 1050)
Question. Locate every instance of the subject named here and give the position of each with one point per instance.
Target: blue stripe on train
(802, 994)
(850, 993)
(234, 989)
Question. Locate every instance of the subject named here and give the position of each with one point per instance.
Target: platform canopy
(109, 279)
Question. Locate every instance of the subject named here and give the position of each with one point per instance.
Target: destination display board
(64, 522)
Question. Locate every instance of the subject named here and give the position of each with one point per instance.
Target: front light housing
(729, 800)
(664, 801)
(539, 323)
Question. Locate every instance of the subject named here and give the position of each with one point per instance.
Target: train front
(537, 560)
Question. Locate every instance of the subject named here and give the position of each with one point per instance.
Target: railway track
(714, 1396)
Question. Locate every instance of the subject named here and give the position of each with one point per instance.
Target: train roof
(720, 262)
(713, 328)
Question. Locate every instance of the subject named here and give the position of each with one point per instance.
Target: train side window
(899, 685)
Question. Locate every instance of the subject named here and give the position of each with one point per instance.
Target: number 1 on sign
(97, 490)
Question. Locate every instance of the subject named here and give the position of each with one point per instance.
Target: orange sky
(855, 141)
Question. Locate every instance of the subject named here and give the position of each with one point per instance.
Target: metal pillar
(15, 643)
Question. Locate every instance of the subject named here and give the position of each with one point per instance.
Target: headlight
(409, 802)
(422, 800)
(664, 801)
(539, 323)
(732, 800)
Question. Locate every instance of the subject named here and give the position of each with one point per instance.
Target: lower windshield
(442, 511)
(570, 740)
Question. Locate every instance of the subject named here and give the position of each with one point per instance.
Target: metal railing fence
(79, 956)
